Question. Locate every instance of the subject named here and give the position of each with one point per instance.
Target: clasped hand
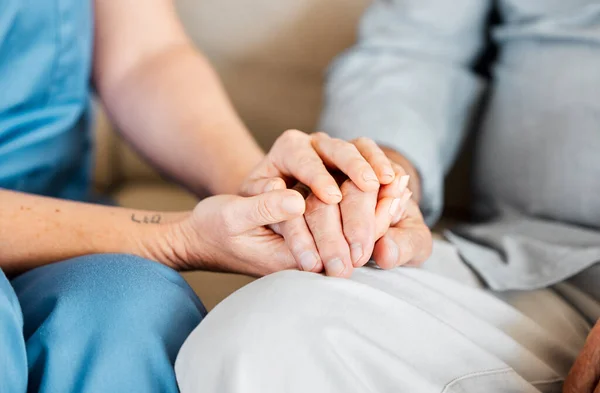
(314, 203)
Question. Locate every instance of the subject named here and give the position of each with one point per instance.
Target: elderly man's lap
(382, 331)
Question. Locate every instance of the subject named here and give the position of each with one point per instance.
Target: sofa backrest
(271, 55)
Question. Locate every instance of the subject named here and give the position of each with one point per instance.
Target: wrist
(163, 242)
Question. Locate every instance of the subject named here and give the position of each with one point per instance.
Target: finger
(324, 222)
(376, 158)
(345, 157)
(258, 186)
(385, 212)
(300, 241)
(585, 374)
(358, 221)
(397, 187)
(294, 156)
(393, 201)
(244, 214)
(403, 246)
(402, 206)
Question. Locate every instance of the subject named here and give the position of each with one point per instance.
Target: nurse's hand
(585, 374)
(229, 233)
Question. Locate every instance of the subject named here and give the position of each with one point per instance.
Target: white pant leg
(405, 330)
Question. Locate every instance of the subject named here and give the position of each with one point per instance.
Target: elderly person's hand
(384, 224)
(585, 374)
(309, 159)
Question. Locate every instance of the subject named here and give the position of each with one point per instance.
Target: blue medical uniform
(99, 323)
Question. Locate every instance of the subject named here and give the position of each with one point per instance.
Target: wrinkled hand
(332, 236)
(229, 233)
(339, 238)
(299, 157)
(386, 226)
(585, 374)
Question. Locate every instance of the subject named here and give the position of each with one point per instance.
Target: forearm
(173, 110)
(36, 231)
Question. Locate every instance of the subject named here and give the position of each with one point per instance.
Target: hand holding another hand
(336, 229)
(384, 223)
(230, 233)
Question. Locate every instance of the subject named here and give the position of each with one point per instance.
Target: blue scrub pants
(99, 323)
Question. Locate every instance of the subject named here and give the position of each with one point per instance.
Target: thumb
(265, 209)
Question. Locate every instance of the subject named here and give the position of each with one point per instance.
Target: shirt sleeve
(408, 84)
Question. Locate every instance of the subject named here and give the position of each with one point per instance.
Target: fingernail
(292, 205)
(370, 176)
(389, 172)
(335, 267)
(308, 260)
(333, 191)
(356, 251)
(395, 207)
(403, 182)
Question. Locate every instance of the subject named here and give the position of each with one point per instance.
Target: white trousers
(407, 330)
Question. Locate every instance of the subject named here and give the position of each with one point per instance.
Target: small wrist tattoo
(146, 219)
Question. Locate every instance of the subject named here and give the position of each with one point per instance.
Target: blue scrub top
(45, 107)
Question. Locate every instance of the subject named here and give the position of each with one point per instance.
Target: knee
(286, 312)
(118, 296)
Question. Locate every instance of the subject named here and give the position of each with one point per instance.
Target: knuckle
(292, 134)
(322, 179)
(360, 164)
(364, 141)
(227, 217)
(293, 229)
(356, 230)
(345, 153)
(265, 210)
(307, 162)
(316, 211)
(319, 135)
(331, 246)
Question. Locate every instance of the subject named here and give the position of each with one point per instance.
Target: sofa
(272, 57)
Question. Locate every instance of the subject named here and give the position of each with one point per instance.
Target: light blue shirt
(409, 83)
(45, 63)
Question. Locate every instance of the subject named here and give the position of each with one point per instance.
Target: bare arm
(166, 99)
(36, 231)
